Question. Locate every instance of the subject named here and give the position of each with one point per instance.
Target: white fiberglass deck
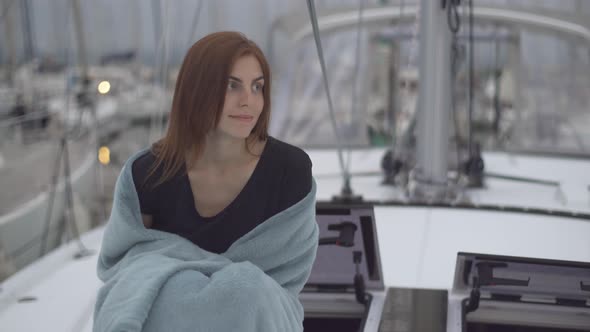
(418, 245)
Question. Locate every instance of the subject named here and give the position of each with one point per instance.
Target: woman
(244, 201)
(217, 174)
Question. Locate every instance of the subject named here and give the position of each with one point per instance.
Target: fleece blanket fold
(158, 281)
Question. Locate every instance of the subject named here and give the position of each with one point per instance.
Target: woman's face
(244, 99)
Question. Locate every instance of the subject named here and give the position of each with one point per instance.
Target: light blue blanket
(158, 281)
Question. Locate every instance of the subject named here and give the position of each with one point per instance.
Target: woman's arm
(146, 197)
(147, 220)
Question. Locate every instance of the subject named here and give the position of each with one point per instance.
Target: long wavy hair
(199, 97)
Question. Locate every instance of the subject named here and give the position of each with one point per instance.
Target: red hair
(199, 97)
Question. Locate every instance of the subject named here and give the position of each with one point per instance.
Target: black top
(281, 178)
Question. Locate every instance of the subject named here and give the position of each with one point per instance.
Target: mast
(79, 30)
(430, 174)
(27, 31)
(10, 46)
(136, 35)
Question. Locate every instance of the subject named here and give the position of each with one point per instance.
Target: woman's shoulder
(141, 166)
(292, 155)
(295, 169)
(143, 161)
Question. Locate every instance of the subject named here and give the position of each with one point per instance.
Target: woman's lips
(242, 118)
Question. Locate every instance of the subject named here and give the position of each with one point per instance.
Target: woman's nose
(245, 98)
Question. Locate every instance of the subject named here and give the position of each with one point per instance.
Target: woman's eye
(232, 85)
(257, 87)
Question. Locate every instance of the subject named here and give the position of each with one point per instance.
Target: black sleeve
(297, 179)
(139, 170)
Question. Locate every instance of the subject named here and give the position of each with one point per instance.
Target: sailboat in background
(54, 120)
(469, 237)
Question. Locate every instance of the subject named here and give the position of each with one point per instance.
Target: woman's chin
(237, 134)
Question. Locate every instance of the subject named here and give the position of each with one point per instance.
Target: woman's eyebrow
(239, 80)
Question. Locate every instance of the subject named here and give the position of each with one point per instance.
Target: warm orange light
(104, 155)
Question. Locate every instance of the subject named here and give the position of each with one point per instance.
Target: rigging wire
(57, 165)
(63, 153)
(165, 59)
(355, 90)
(471, 79)
(313, 16)
(156, 121)
(195, 23)
(18, 252)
